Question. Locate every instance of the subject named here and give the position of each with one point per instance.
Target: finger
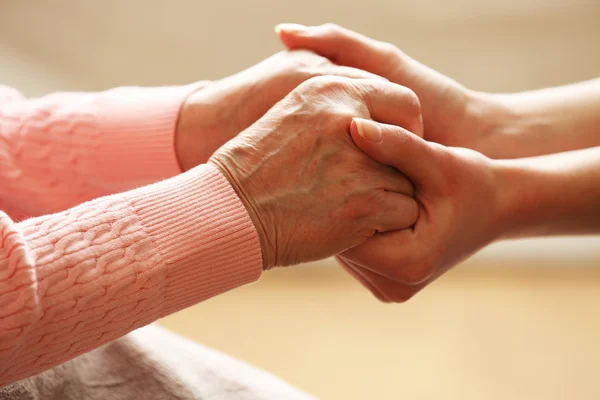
(393, 255)
(392, 104)
(389, 289)
(356, 275)
(353, 73)
(393, 211)
(317, 65)
(342, 46)
(394, 146)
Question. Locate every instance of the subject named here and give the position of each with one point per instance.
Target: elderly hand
(460, 211)
(452, 114)
(310, 191)
(220, 110)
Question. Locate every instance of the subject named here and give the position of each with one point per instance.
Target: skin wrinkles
(311, 190)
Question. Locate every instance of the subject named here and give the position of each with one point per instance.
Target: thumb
(394, 146)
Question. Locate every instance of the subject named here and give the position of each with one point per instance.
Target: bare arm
(499, 125)
(541, 122)
(557, 194)
(467, 201)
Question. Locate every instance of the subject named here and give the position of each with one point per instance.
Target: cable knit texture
(77, 279)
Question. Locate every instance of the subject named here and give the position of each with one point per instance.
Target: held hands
(460, 211)
(310, 191)
(459, 205)
(220, 110)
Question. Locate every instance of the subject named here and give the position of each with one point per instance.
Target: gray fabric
(152, 363)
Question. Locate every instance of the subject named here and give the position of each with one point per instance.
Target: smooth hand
(220, 110)
(452, 114)
(310, 191)
(460, 211)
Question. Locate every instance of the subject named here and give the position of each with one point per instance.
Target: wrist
(495, 124)
(523, 195)
(510, 126)
(550, 195)
(509, 202)
(200, 128)
(215, 114)
(225, 170)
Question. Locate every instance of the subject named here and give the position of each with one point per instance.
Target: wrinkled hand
(460, 211)
(220, 110)
(309, 190)
(452, 114)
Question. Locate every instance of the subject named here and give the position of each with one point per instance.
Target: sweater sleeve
(65, 148)
(74, 280)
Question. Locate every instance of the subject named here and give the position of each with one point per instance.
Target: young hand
(460, 211)
(498, 125)
(453, 115)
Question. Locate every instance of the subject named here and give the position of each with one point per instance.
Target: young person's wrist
(525, 197)
(496, 125)
(509, 204)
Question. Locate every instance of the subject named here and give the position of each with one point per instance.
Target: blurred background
(517, 321)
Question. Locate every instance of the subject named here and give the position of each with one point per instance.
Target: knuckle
(343, 114)
(302, 58)
(324, 84)
(392, 57)
(388, 49)
(339, 117)
(336, 96)
(312, 84)
(413, 103)
(364, 91)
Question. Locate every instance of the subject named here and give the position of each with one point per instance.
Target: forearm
(62, 149)
(72, 281)
(539, 122)
(212, 112)
(550, 195)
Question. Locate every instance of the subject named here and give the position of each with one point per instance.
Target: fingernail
(290, 28)
(368, 130)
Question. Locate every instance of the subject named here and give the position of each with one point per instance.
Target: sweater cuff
(140, 124)
(204, 233)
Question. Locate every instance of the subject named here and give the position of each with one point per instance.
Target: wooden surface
(478, 333)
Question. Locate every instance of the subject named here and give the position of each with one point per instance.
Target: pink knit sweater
(81, 277)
